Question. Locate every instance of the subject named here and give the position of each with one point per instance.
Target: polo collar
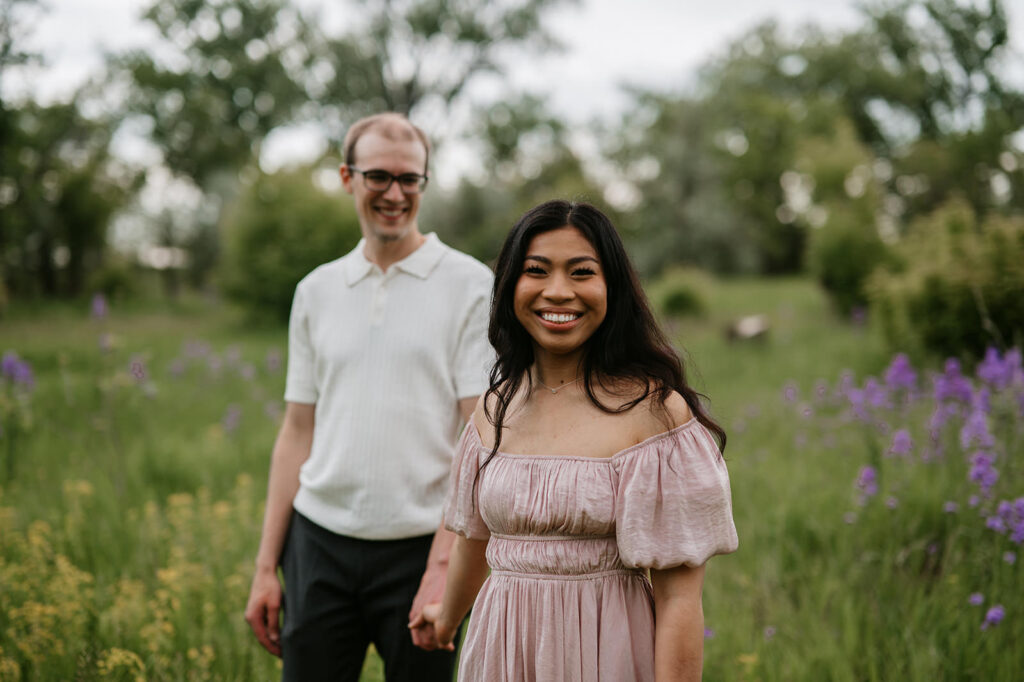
(420, 263)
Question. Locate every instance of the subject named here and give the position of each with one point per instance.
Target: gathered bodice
(566, 526)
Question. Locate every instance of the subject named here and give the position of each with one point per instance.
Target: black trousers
(343, 593)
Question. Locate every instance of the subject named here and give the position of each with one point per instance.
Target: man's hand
(443, 632)
(263, 612)
(430, 592)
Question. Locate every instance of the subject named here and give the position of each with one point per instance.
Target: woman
(588, 462)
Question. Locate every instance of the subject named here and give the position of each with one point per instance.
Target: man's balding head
(390, 125)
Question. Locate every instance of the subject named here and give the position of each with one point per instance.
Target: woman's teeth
(559, 317)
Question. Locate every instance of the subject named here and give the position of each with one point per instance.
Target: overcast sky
(651, 43)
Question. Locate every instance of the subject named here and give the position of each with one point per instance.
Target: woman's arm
(679, 624)
(467, 569)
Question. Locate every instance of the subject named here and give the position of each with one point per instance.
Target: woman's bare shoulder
(655, 416)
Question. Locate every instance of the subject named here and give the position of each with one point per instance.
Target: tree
(526, 159)
(59, 185)
(410, 54)
(923, 85)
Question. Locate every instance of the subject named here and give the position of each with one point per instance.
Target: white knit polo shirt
(385, 357)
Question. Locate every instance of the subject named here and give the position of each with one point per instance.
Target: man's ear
(346, 177)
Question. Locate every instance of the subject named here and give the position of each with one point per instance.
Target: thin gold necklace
(556, 390)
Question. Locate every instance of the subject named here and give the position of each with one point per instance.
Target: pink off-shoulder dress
(568, 598)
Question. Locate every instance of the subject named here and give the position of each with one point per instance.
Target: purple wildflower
(709, 633)
(138, 369)
(867, 483)
(273, 360)
(997, 524)
(982, 471)
(900, 374)
(951, 507)
(976, 599)
(232, 418)
(875, 393)
(973, 501)
(820, 390)
(951, 384)
(247, 372)
(790, 392)
(994, 370)
(1010, 558)
(18, 371)
(769, 632)
(846, 382)
(902, 444)
(892, 502)
(975, 431)
(99, 307)
(994, 617)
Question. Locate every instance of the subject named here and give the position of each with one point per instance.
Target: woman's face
(560, 297)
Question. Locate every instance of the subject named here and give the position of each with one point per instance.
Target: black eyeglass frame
(421, 180)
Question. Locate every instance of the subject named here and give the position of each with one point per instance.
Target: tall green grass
(129, 526)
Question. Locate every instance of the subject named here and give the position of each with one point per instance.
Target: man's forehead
(390, 139)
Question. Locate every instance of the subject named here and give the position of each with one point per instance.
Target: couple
(587, 463)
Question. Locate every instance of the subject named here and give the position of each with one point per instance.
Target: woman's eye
(582, 272)
(534, 270)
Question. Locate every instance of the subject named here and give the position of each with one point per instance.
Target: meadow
(880, 504)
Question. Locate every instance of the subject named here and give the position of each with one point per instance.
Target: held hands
(263, 612)
(431, 591)
(435, 631)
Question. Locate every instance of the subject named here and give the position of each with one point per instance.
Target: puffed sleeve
(673, 505)
(462, 510)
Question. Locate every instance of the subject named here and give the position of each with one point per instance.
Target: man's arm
(679, 624)
(291, 449)
(432, 585)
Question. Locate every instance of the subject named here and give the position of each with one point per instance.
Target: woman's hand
(444, 630)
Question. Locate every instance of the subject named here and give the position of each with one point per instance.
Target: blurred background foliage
(865, 157)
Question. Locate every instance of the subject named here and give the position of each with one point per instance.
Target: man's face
(387, 216)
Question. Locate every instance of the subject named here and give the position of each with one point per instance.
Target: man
(387, 353)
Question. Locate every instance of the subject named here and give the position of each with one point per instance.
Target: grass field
(133, 467)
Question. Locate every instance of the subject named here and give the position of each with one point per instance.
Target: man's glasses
(380, 180)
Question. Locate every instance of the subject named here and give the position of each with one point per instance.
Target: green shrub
(842, 254)
(958, 286)
(277, 231)
(114, 279)
(681, 292)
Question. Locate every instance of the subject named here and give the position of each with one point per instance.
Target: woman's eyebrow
(571, 261)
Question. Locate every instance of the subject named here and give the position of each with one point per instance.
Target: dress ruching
(570, 542)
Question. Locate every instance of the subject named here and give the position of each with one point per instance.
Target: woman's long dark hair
(628, 344)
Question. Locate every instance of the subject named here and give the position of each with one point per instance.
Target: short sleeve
(673, 505)
(300, 384)
(462, 509)
(473, 353)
